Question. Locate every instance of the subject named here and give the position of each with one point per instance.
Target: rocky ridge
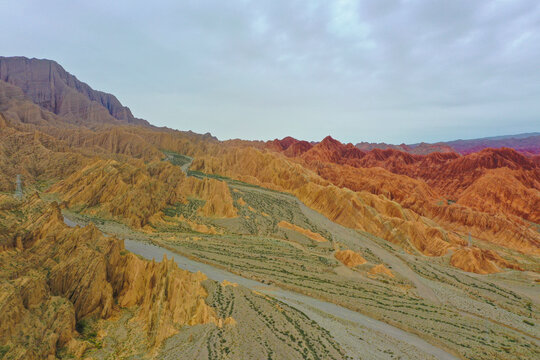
(54, 276)
(48, 85)
(137, 192)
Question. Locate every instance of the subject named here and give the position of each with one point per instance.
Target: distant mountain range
(527, 143)
(419, 149)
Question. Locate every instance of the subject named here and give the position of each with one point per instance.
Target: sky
(378, 71)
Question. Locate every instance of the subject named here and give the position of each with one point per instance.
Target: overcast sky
(380, 70)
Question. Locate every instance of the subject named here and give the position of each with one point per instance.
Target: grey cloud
(385, 70)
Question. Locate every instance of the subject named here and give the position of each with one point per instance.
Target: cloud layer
(385, 70)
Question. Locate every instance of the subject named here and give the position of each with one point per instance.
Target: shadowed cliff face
(56, 90)
(53, 276)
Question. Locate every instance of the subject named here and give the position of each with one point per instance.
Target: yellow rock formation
(137, 192)
(165, 295)
(202, 228)
(219, 202)
(60, 275)
(308, 233)
(381, 269)
(358, 211)
(36, 157)
(349, 258)
(228, 283)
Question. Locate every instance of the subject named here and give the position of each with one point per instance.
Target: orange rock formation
(308, 233)
(219, 202)
(349, 258)
(381, 269)
(480, 261)
(60, 275)
(137, 192)
(360, 210)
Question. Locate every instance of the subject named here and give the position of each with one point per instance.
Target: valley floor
(428, 309)
(356, 333)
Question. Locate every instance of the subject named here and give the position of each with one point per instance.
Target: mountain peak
(50, 86)
(330, 140)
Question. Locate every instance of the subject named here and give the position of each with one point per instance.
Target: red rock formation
(494, 181)
(290, 146)
(425, 148)
(447, 173)
(524, 143)
(298, 148)
(331, 150)
(502, 191)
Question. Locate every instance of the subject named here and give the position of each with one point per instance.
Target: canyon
(435, 243)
